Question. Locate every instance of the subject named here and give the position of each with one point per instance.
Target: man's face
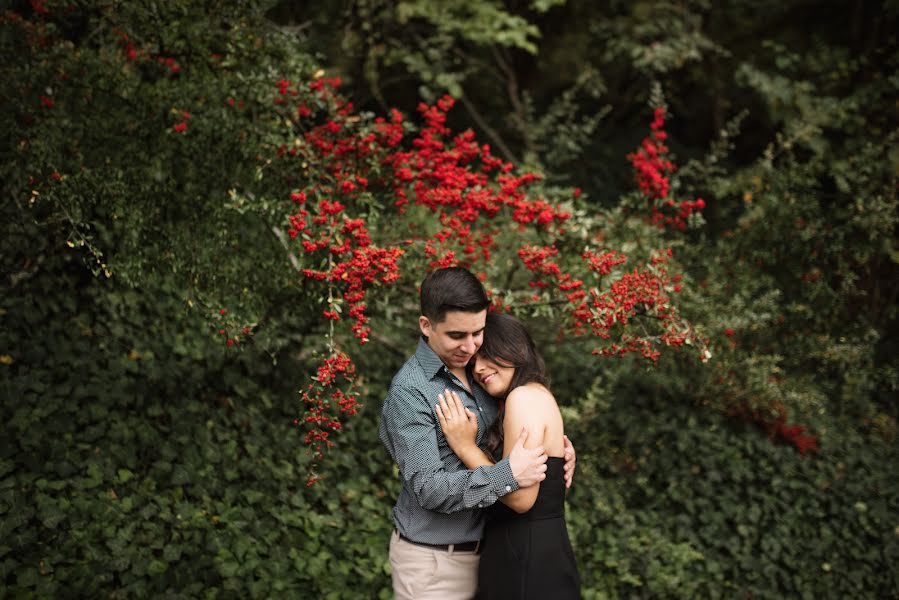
(457, 338)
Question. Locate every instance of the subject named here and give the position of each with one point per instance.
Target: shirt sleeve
(410, 427)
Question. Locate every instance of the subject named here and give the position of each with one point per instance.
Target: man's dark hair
(451, 289)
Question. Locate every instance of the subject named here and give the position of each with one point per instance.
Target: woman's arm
(525, 408)
(460, 427)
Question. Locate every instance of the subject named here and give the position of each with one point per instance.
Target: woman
(526, 551)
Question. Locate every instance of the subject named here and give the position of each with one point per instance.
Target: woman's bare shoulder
(532, 394)
(534, 407)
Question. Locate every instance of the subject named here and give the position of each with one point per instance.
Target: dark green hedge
(675, 502)
(140, 459)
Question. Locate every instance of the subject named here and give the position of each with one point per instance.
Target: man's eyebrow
(465, 332)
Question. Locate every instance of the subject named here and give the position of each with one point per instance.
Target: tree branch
(294, 261)
(514, 93)
(491, 133)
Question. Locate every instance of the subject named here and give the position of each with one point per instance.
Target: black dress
(529, 555)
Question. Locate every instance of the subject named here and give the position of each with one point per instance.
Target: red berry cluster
(327, 228)
(133, 54)
(331, 389)
(38, 7)
(181, 125)
(643, 292)
(464, 189)
(461, 182)
(652, 168)
(652, 172)
(229, 327)
(774, 422)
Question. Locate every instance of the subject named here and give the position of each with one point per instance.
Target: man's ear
(425, 325)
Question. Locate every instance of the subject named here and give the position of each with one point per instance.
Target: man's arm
(409, 426)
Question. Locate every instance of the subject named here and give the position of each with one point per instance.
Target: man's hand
(570, 462)
(528, 465)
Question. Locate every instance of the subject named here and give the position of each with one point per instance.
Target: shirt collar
(432, 365)
(428, 359)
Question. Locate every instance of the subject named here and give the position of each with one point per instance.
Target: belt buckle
(454, 547)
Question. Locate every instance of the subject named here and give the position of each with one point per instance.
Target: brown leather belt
(463, 547)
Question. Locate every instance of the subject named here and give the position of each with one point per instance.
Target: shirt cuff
(504, 482)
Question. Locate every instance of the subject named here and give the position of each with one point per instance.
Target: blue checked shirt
(441, 500)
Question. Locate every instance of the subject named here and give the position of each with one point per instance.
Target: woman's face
(494, 377)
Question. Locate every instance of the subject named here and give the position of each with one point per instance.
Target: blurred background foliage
(141, 456)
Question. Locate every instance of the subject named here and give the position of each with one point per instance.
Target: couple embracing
(482, 456)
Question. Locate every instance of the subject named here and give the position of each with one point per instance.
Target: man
(438, 515)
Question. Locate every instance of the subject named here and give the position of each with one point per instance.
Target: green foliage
(141, 459)
(424, 43)
(658, 36)
(482, 23)
(137, 199)
(691, 505)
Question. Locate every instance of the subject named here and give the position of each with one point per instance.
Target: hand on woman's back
(533, 406)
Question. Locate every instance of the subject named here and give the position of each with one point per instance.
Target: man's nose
(469, 345)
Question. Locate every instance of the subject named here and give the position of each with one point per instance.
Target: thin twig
(491, 133)
(294, 261)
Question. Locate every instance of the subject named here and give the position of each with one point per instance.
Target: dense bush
(141, 458)
(687, 504)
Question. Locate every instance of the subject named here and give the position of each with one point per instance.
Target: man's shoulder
(409, 379)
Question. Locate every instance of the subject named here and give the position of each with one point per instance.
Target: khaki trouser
(421, 573)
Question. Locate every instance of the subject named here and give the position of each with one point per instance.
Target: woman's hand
(460, 425)
(570, 462)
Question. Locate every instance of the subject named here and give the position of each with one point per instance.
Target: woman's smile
(493, 376)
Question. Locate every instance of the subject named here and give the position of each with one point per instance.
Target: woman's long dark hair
(508, 343)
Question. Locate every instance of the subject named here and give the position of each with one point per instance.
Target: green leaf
(157, 567)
